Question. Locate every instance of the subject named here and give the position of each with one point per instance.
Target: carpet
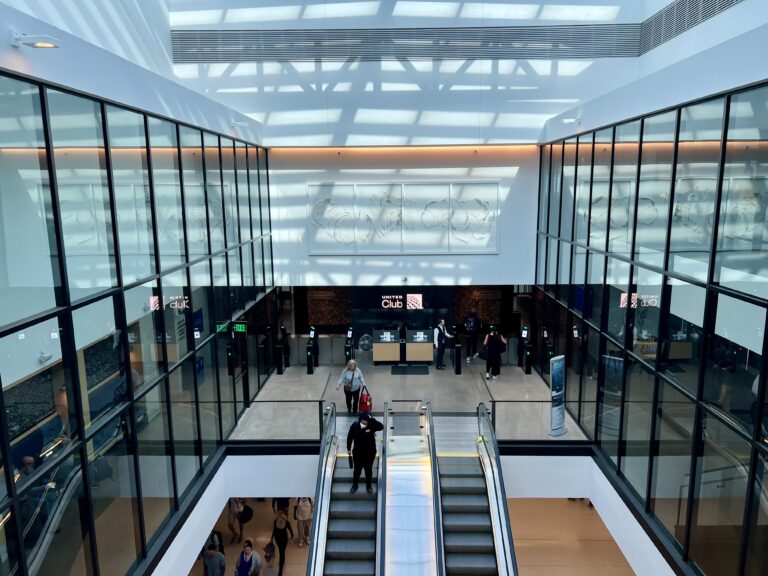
(410, 370)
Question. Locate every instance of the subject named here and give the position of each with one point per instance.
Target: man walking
(441, 335)
(472, 328)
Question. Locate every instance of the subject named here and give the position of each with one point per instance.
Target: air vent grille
(506, 42)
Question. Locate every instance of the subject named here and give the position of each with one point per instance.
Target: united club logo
(414, 302)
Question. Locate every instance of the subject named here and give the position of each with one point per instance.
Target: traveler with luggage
(352, 380)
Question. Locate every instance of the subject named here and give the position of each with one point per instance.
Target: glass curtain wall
(118, 228)
(669, 273)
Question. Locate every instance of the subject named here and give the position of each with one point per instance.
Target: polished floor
(557, 537)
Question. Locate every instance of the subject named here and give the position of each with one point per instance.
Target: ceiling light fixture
(32, 40)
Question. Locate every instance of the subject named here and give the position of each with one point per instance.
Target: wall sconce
(32, 40)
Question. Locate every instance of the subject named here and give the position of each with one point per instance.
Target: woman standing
(353, 381)
(494, 344)
(280, 530)
(249, 562)
(234, 507)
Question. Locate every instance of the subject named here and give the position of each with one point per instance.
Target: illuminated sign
(241, 327)
(412, 301)
(392, 301)
(174, 302)
(634, 300)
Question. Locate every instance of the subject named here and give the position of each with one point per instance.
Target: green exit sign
(241, 327)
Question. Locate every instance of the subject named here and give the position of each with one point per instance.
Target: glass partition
(568, 189)
(636, 432)
(194, 191)
(544, 188)
(556, 179)
(623, 188)
(583, 188)
(600, 225)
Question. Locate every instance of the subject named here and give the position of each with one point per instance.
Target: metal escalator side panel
(326, 467)
(381, 508)
(437, 497)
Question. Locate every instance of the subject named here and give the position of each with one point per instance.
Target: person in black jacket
(362, 435)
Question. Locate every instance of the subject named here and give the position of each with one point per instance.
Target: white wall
(137, 30)
(722, 53)
(239, 476)
(580, 477)
(85, 67)
(514, 167)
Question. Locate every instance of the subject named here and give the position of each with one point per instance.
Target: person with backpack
(352, 380)
(361, 445)
(302, 513)
(472, 328)
(495, 344)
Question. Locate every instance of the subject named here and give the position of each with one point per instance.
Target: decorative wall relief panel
(331, 218)
(379, 221)
(473, 216)
(403, 218)
(426, 217)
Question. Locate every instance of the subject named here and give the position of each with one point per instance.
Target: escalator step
(347, 568)
(463, 543)
(340, 491)
(359, 509)
(344, 472)
(463, 503)
(451, 469)
(350, 550)
(470, 564)
(459, 485)
(352, 529)
(458, 461)
(467, 523)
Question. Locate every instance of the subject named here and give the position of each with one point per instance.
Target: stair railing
(381, 497)
(488, 449)
(437, 502)
(327, 461)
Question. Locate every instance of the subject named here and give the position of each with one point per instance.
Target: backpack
(245, 516)
(366, 401)
(470, 324)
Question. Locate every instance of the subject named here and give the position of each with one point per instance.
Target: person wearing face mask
(361, 444)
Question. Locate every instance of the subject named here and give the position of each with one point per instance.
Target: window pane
(600, 185)
(544, 190)
(693, 211)
(99, 355)
(154, 449)
(186, 448)
(646, 307)
(213, 187)
(268, 276)
(81, 178)
(208, 398)
(611, 388)
(32, 367)
(654, 188)
(194, 191)
(226, 384)
(757, 552)
(165, 173)
(264, 191)
(583, 182)
(735, 357)
(258, 259)
(575, 362)
(718, 506)
(142, 311)
(742, 241)
(62, 546)
(554, 192)
(564, 273)
(578, 274)
(569, 181)
(30, 276)
(672, 465)
(128, 149)
(230, 191)
(617, 285)
(242, 192)
(551, 263)
(541, 261)
(202, 301)
(113, 489)
(589, 382)
(636, 437)
(176, 308)
(595, 277)
(9, 545)
(248, 271)
(220, 288)
(235, 280)
(623, 186)
(254, 175)
(682, 351)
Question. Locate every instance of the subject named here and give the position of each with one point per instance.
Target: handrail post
(493, 415)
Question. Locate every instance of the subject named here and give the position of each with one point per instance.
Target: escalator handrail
(437, 502)
(502, 531)
(327, 461)
(381, 498)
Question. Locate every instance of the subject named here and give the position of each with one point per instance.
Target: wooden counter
(386, 351)
(418, 352)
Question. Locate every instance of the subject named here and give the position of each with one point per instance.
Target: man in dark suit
(361, 444)
(441, 335)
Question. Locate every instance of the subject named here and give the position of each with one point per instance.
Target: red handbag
(366, 401)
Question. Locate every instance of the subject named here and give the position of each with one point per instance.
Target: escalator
(347, 528)
(474, 528)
